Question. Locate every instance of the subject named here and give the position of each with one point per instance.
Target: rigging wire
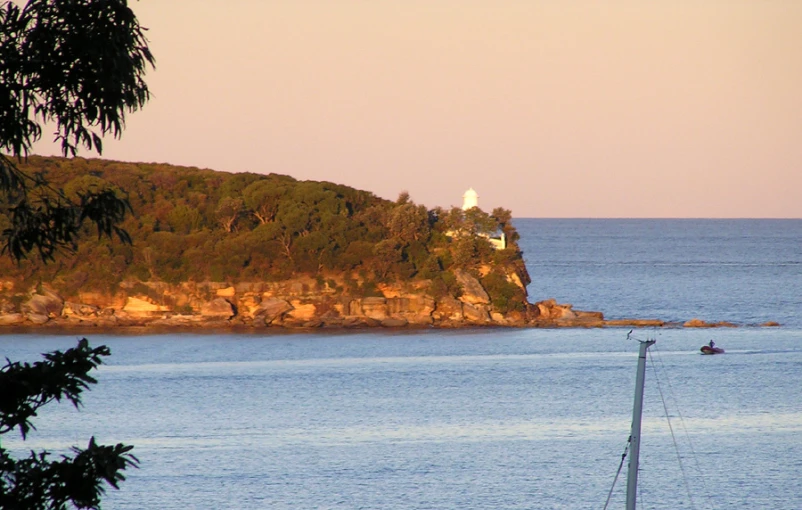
(695, 457)
(620, 465)
(671, 429)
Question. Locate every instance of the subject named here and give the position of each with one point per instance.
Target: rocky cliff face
(302, 302)
(299, 303)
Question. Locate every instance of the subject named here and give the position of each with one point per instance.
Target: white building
(470, 199)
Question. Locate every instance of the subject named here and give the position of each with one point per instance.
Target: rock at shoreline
(301, 312)
(698, 323)
(79, 310)
(218, 308)
(11, 319)
(635, 323)
(304, 304)
(143, 307)
(448, 309)
(476, 313)
(394, 323)
(270, 309)
(42, 307)
(373, 307)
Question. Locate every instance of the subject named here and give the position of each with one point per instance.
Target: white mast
(634, 436)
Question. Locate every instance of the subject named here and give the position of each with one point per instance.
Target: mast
(634, 436)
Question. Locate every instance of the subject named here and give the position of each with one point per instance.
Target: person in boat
(712, 344)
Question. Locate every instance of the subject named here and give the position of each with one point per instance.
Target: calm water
(515, 419)
(742, 271)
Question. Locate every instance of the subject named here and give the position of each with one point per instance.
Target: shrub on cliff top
(504, 295)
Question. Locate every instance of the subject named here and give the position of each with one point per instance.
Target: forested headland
(190, 225)
(209, 248)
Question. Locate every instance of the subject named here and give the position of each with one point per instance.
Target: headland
(246, 251)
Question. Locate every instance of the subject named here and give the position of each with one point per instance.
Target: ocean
(742, 271)
(480, 418)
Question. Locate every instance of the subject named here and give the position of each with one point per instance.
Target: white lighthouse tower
(470, 199)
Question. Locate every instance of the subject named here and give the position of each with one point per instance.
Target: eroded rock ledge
(301, 303)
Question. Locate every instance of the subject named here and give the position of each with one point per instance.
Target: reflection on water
(537, 430)
(493, 419)
(372, 363)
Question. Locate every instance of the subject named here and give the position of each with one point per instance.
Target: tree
(77, 65)
(479, 222)
(408, 222)
(504, 219)
(184, 219)
(263, 198)
(387, 255)
(37, 481)
(228, 211)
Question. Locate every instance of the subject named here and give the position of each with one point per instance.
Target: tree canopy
(202, 225)
(78, 67)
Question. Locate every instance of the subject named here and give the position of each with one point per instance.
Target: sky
(549, 108)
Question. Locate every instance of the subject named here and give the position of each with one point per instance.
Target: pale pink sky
(551, 108)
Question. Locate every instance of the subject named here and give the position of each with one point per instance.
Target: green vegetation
(201, 225)
(75, 68)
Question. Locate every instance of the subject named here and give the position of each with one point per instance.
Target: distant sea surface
(484, 418)
(741, 271)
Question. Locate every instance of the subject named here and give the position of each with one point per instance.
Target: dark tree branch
(27, 387)
(36, 481)
(79, 65)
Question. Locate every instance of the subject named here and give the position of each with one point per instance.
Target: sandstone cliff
(299, 303)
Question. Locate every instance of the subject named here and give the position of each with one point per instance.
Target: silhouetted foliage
(79, 66)
(38, 480)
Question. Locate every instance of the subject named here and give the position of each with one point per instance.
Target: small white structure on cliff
(470, 199)
(498, 243)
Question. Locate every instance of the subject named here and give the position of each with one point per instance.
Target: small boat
(707, 349)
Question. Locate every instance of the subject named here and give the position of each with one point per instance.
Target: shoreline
(59, 326)
(48, 312)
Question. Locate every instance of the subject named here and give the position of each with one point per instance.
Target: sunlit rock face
(472, 291)
(302, 302)
(143, 307)
(218, 308)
